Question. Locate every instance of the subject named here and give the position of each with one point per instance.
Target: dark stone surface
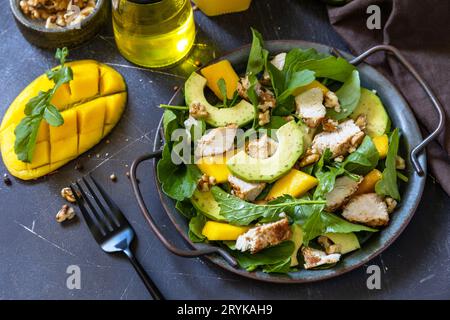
(35, 251)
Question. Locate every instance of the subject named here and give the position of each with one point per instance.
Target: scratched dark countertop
(35, 250)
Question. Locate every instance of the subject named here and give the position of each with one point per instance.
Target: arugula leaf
(283, 266)
(320, 222)
(269, 257)
(167, 106)
(170, 123)
(364, 159)
(330, 67)
(39, 108)
(256, 58)
(177, 181)
(387, 186)
(223, 90)
(196, 225)
(253, 97)
(186, 208)
(298, 79)
(240, 212)
(348, 96)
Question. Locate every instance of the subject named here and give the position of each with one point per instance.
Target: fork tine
(101, 223)
(96, 232)
(115, 210)
(110, 221)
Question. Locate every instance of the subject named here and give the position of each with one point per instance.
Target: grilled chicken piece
(369, 209)
(269, 234)
(310, 107)
(344, 188)
(346, 138)
(216, 141)
(262, 148)
(247, 191)
(314, 258)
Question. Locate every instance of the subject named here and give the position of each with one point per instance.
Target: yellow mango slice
(314, 84)
(91, 105)
(217, 7)
(217, 231)
(222, 69)
(369, 182)
(296, 183)
(382, 145)
(215, 166)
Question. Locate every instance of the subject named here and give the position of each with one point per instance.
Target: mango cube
(88, 139)
(91, 115)
(85, 83)
(110, 81)
(41, 155)
(222, 69)
(219, 231)
(296, 183)
(68, 129)
(312, 85)
(43, 133)
(64, 149)
(62, 95)
(114, 106)
(382, 145)
(214, 166)
(369, 182)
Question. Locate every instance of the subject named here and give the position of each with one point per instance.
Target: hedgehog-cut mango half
(91, 105)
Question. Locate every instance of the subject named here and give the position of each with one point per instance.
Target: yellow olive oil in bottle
(153, 33)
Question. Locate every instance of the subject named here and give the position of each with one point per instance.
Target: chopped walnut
(310, 157)
(361, 121)
(329, 125)
(67, 194)
(328, 245)
(331, 101)
(288, 118)
(339, 159)
(242, 87)
(58, 13)
(391, 204)
(206, 182)
(400, 163)
(198, 110)
(264, 118)
(66, 213)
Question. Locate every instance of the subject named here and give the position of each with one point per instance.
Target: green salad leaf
(364, 159)
(283, 266)
(297, 80)
(388, 186)
(240, 212)
(273, 258)
(257, 56)
(177, 181)
(321, 222)
(40, 108)
(186, 208)
(348, 96)
(196, 225)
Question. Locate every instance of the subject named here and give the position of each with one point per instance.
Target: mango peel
(91, 105)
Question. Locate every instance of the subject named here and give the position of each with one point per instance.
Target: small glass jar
(153, 33)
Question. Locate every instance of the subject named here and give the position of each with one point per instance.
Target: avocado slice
(290, 148)
(297, 238)
(241, 114)
(378, 121)
(206, 204)
(347, 241)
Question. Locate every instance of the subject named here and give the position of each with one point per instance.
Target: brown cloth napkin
(421, 31)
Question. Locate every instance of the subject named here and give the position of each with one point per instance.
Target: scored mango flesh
(91, 105)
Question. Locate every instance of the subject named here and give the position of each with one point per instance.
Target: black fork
(108, 225)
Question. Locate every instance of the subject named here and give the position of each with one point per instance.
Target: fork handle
(149, 284)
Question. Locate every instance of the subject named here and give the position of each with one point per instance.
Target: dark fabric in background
(421, 31)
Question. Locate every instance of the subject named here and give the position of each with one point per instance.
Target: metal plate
(401, 116)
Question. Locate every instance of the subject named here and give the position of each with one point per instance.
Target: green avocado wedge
(206, 204)
(241, 114)
(378, 121)
(347, 241)
(290, 148)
